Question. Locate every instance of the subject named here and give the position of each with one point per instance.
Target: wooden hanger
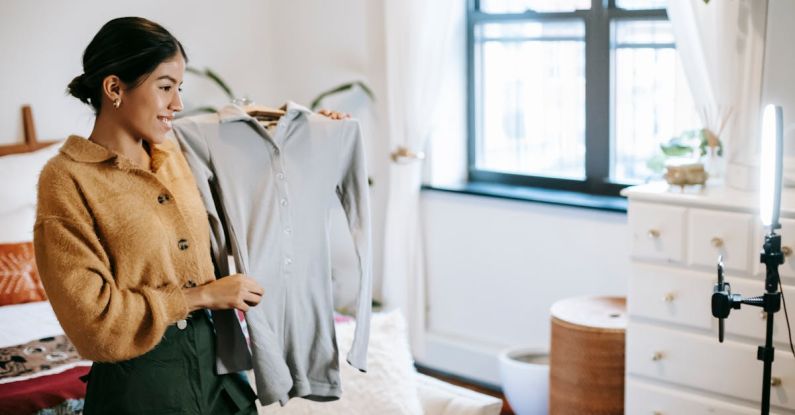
(267, 116)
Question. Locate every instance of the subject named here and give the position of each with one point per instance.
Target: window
(572, 94)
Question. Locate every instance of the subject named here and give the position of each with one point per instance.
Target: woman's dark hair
(128, 47)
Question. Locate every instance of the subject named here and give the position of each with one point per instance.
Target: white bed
(39, 368)
(22, 323)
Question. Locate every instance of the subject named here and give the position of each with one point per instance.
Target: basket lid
(596, 312)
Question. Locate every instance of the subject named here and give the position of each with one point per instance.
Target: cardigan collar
(86, 151)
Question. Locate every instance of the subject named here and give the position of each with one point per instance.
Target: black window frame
(598, 95)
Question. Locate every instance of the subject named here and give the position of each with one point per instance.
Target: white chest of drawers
(675, 364)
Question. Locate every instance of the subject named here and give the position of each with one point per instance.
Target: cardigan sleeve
(104, 321)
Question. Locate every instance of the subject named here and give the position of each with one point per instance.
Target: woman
(122, 239)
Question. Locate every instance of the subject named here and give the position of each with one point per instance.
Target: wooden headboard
(31, 142)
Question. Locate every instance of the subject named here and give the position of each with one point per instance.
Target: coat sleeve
(104, 321)
(353, 192)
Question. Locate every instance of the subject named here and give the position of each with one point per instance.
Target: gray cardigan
(268, 199)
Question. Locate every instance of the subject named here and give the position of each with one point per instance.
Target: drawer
(683, 297)
(642, 398)
(712, 233)
(657, 232)
(671, 295)
(700, 362)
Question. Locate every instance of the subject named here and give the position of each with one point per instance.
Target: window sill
(535, 194)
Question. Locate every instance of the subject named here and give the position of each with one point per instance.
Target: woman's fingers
(252, 295)
(242, 292)
(334, 115)
(253, 287)
(253, 292)
(252, 299)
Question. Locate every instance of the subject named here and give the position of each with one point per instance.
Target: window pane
(641, 4)
(530, 98)
(520, 6)
(640, 32)
(651, 99)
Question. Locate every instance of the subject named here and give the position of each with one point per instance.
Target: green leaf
(341, 88)
(211, 75)
(676, 149)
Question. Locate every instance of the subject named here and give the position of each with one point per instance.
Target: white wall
(778, 85)
(42, 43)
(496, 266)
(268, 50)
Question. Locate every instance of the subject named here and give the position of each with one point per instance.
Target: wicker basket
(586, 367)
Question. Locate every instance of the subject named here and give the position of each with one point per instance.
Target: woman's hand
(334, 115)
(235, 291)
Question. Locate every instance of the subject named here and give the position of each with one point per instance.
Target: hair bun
(78, 89)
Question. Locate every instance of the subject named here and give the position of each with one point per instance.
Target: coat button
(182, 244)
(163, 198)
(182, 324)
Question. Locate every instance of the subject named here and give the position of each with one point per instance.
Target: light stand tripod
(723, 301)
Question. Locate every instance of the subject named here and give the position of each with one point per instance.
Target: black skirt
(176, 377)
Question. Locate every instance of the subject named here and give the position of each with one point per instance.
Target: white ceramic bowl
(525, 379)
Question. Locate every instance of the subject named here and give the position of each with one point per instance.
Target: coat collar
(85, 151)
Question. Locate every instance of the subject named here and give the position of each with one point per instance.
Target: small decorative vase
(714, 164)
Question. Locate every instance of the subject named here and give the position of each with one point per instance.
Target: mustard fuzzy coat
(115, 244)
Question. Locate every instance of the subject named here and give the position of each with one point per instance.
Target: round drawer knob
(654, 233)
(775, 381)
(716, 242)
(787, 251)
(657, 356)
(669, 297)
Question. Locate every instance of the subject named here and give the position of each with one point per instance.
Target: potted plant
(683, 158)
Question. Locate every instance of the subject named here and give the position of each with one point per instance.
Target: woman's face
(146, 111)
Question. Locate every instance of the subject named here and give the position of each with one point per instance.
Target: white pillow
(388, 388)
(17, 226)
(19, 174)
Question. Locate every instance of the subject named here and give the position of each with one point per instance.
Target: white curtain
(420, 36)
(721, 45)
